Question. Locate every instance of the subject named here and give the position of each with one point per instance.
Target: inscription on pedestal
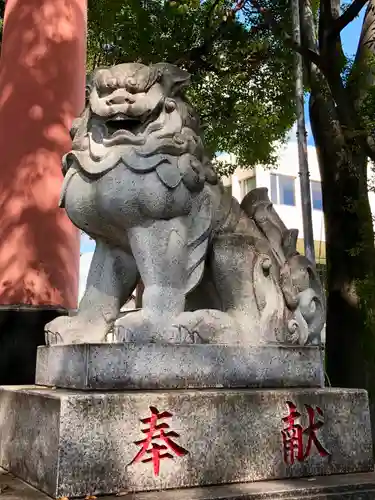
(294, 434)
(104, 443)
(298, 441)
(151, 449)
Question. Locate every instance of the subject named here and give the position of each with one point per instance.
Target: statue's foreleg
(160, 251)
(111, 279)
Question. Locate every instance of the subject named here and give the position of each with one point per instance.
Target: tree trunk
(350, 338)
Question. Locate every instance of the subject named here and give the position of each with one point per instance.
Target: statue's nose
(121, 99)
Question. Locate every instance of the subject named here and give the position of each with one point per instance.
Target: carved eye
(170, 105)
(112, 83)
(266, 266)
(131, 84)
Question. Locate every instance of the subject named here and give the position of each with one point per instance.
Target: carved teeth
(120, 117)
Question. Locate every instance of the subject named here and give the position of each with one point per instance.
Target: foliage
(241, 77)
(2, 10)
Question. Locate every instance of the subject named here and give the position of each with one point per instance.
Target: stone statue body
(138, 181)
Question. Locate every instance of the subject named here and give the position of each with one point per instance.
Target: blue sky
(351, 33)
(350, 38)
(87, 245)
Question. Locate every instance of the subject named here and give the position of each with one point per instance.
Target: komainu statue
(139, 182)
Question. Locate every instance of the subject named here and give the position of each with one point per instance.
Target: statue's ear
(172, 77)
(89, 85)
(91, 79)
(75, 126)
(97, 76)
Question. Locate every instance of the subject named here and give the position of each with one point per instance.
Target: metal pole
(302, 141)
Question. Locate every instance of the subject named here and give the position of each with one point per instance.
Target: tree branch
(194, 60)
(310, 55)
(324, 24)
(239, 6)
(347, 17)
(210, 13)
(308, 37)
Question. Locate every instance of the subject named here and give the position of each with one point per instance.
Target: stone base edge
(177, 366)
(343, 486)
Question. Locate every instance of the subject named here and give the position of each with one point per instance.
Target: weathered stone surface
(75, 443)
(344, 487)
(168, 366)
(139, 181)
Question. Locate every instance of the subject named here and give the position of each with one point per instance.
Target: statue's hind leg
(112, 278)
(160, 251)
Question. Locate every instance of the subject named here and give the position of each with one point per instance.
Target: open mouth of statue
(119, 124)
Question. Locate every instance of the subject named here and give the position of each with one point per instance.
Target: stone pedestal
(174, 366)
(179, 430)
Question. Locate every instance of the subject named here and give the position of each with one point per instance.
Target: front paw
(133, 327)
(143, 327)
(76, 330)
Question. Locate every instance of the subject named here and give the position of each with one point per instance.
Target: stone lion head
(135, 111)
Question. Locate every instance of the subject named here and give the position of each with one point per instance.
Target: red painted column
(42, 81)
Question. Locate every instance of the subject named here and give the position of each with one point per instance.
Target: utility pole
(302, 140)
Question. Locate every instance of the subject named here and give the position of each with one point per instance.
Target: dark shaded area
(350, 347)
(21, 332)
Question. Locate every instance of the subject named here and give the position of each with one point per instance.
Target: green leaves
(241, 74)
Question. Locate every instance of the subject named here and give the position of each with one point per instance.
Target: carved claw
(293, 331)
(75, 330)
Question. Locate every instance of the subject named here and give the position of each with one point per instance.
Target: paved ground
(13, 489)
(344, 486)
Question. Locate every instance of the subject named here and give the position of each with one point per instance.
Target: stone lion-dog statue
(139, 182)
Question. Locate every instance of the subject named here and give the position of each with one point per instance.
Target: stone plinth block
(73, 443)
(171, 366)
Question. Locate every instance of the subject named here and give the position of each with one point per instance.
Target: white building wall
(286, 165)
(371, 193)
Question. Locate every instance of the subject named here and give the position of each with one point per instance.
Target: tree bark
(350, 339)
(342, 158)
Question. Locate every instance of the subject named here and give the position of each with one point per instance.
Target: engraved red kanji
(158, 432)
(293, 434)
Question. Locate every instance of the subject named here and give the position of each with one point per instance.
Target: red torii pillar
(42, 85)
